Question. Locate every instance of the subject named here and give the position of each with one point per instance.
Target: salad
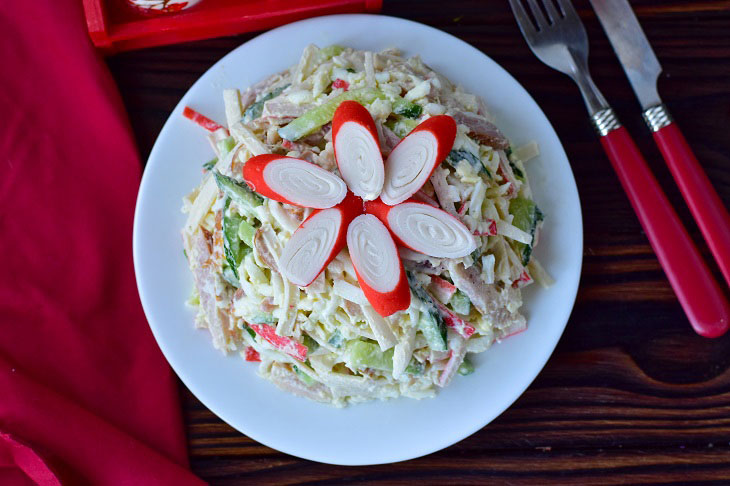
(362, 230)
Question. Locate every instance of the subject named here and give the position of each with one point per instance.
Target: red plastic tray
(116, 26)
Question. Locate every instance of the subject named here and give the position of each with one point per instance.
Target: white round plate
(375, 432)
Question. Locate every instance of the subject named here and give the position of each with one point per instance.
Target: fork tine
(552, 12)
(567, 7)
(537, 13)
(524, 21)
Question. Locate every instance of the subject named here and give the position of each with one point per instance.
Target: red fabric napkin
(85, 394)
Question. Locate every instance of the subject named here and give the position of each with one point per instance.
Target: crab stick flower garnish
(379, 270)
(424, 228)
(357, 150)
(317, 241)
(382, 190)
(414, 159)
(294, 181)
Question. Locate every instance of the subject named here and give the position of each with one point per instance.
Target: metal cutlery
(556, 35)
(642, 68)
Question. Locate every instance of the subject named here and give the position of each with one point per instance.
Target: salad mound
(288, 253)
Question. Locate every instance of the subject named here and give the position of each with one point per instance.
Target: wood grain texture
(631, 395)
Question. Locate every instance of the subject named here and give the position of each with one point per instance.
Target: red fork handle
(698, 292)
(704, 203)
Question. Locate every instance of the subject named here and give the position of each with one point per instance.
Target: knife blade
(632, 48)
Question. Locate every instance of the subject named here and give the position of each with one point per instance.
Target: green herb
(249, 331)
(350, 70)
(210, 164)
(406, 108)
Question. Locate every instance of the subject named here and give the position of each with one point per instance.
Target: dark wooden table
(631, 395)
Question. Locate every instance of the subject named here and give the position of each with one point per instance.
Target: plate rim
(199, 391)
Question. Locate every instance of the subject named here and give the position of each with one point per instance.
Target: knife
(642, 68)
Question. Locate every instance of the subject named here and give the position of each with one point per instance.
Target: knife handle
(699, 294)
(704, 203)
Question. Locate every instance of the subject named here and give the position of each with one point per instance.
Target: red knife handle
(699, 294)
(706, 206)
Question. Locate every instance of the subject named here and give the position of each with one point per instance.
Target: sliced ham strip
(424, 229)
(378, 267)
(414, 159)
(293, 181)
(357, 150)
(317, 241)
(482, 129)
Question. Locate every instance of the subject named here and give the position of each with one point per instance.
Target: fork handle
(704, 203)
(698, 292)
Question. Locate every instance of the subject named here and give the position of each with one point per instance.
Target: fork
(557, 37)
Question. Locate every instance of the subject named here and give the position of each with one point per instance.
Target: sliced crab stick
(317, 241)
(357, 150)
(293, 181)
(377, 265)
(293, 348)
(414, 159)
(424, 229)
(455, 322)
(201, 120)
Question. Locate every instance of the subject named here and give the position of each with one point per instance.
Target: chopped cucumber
(328, 52)
(433, 328)
(516, 171)
(431, 323)
(238, 191)
(526, 217)
(254, 111)
(460, 303)
(312, 120)
(402, 127)
(336, 340)
(249, 331)
(246, 232)
(263, 319)
(406, 108)
(226, 145)
(364, 354)
(210, 164)
(310, 343)
(230, 276)
(415, 367)
(456, 156)
(466, 368)
(232, 247)
(308, 380)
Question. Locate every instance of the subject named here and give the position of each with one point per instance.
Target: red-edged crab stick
(201, 120)
(378, 266)
(357, 150)
(414, 159)
(317, 241)
(424, 229)
(293, 348)
(294, 181)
